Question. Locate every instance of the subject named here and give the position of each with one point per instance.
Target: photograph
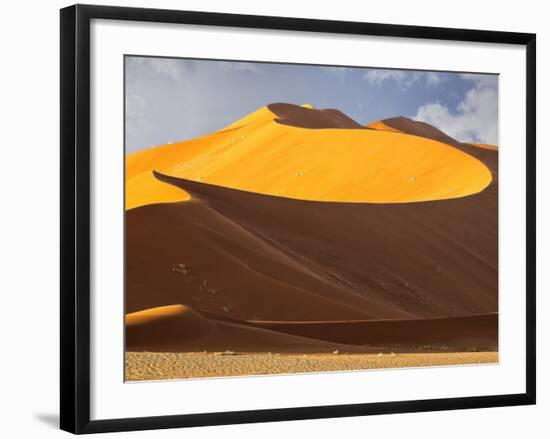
(296, 218)
(266, 220)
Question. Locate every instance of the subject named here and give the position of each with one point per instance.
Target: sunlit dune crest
(161, 313)
(150, 326)
(381, 126)
(145, 187)
(485, 146)
(422, 129)
(178, 328)
(261, 153)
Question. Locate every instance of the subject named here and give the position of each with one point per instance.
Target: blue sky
(169, 99)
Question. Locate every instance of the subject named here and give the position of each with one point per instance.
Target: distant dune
(308, 117)
(297, 230)
(421, 129)
(318, 155)
(178, 328)
(416, 128)
(485, 146)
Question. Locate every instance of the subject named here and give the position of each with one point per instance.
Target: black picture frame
(75, 217)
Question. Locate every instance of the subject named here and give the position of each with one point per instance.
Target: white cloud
(433, 78)
(377, 77)
(402, 78)
(475, 118)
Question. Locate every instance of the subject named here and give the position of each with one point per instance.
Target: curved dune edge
(422, 129)
(152, 316)
(451, 331)
(151, 326)
(178, 328)
(381, 126)
(145, 187)
(485, 146)
(262, 154)
(306, 116)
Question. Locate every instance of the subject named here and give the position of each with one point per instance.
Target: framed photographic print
(267, 218)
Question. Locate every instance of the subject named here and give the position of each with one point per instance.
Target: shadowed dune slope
(309, 117)
(318, 155)
(454, 332)
(416, 128)
(192, 254)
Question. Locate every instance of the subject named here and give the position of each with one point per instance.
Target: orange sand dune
(166, 319)
(177, 328)
(145, 186)
(422, 129)
(302, 153)
(258, 257)
(381, 126)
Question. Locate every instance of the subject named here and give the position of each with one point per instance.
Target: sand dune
(145, 187)
(296, 230)
(380, 125)
(189, 252)
(485, 146)
(162, 325)
(257, 257)
(306, 116)
(413, 127)
(177, 328)
(302, 153)
(421, 129)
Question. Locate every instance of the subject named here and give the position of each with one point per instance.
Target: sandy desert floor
(163, 365)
